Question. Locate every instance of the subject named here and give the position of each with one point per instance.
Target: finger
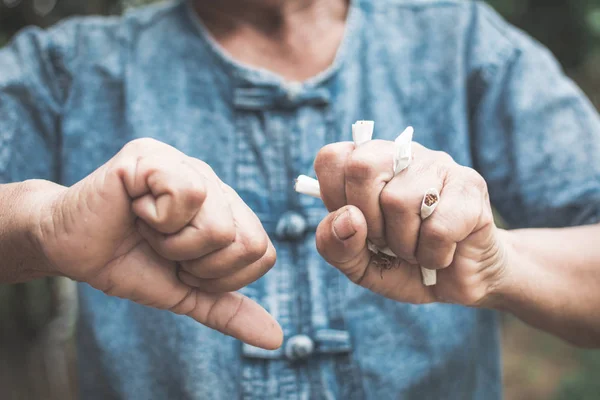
(329, 167)
(145, 277)
(244, 251)
(401, 202)
(191, 242)
(173, 194)
(235, 281)
(236, 315)
(341, 240)
(212, 228)
(250, 245)
(456, 217)
(367, 171)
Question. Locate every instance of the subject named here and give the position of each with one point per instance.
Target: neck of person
(296, 39)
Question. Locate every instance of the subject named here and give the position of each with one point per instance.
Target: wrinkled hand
(160, 228)
(366, 200)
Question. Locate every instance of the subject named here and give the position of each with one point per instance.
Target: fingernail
(342, 226)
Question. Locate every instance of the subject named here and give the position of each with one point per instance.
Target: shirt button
(293, 89)
(291, 226)
(299, 347)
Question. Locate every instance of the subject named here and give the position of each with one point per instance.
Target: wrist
(38, 201)
(507, 287)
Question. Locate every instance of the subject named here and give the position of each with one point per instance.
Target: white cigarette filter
(403, 150)
(429, 276)
(308, 186)
(362, 132)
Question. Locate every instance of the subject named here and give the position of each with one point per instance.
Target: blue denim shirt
(470, 84)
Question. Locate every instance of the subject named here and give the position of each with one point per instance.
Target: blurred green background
(537, 366)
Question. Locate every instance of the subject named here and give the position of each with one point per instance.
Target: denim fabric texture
(470, 84)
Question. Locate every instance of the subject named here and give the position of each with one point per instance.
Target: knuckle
(391, 199)
(487, 217)
(221, 234)
(436, 231)
(195, 193)
(360, 167)
(328, 157)
(270, 257)
(478, 182)
(255, 246)
(205, 167)
(475, 179)
(442, 170)
(443, 157)
(472, 186)
(140, 146)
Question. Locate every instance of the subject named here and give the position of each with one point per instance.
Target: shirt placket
(270, 152)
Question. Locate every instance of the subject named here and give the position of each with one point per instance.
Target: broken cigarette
(430, 202)
(362, 132)
(428, 205)
(402, 159)
(403, 155)
(308, 186)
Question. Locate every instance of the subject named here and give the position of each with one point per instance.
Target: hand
(367, 201)
(159, 228)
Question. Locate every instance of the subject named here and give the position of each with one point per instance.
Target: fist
(160, 228)
(368, 202)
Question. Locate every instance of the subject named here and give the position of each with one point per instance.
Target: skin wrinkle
(359, 280)
(263, 15)
(177, 307)
(276, 37)
(235, 313)
(231, 282)
(212, 317)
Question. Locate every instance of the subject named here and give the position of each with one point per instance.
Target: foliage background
(537, 366)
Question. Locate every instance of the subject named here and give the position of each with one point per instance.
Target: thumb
(236, 315)
(342, 242)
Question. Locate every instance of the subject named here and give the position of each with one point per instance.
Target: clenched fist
(160, 228)
(367, 201)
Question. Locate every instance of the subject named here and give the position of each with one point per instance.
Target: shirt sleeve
(535, 135)
(33, 87)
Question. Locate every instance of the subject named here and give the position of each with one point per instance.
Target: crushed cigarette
(383, 261)
(428, 205)
(403, 154)
(429, 276)
(308, 186)
(402, 159)
(362, 132)
(430, 202)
